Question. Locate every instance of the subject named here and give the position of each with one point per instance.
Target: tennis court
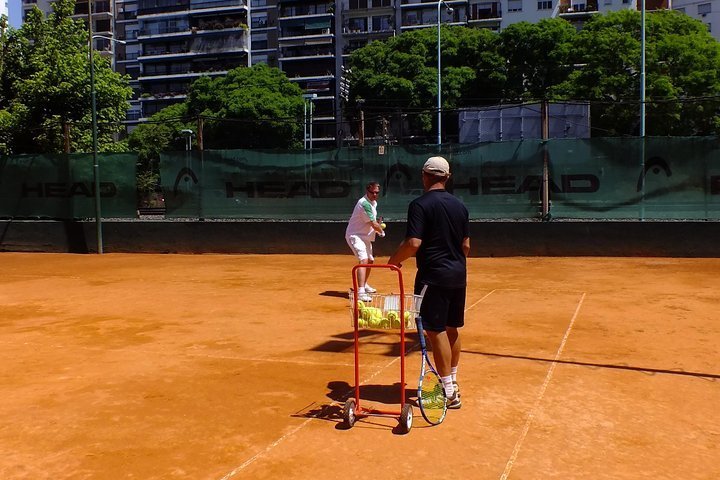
(237, 367)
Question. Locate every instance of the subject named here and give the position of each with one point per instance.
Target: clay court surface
(237, 367)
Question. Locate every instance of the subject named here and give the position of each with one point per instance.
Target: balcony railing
(580, 7)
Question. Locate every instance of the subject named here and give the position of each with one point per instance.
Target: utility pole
(545, 127)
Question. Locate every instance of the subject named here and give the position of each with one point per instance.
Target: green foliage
(538, 56)
(682, 63)
(44, 84)
(401, 73)
(552, 60)
(256, 107)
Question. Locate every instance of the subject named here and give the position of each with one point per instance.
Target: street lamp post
(308, 98)
(439, 72)
(642, 109)
(93, 106)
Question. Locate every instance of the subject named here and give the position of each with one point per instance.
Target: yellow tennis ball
(361, 304)
(385, 323)
(382, 225)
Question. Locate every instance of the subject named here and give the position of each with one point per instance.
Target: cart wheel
(349, 413)
(406, 418)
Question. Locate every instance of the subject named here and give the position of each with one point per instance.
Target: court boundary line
(548, 377)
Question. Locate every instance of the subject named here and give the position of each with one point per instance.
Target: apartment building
(170, 43)
(707, 11)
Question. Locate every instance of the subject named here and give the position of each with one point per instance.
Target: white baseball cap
(437, 166)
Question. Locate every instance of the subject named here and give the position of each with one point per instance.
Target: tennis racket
(431, 394)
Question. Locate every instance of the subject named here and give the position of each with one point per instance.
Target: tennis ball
(361, 304)
(382, 225)
(384, 323)
(362, 323)
(375, 321)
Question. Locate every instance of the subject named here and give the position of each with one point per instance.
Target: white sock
(448, 385)
(361, 290)
(453, 373)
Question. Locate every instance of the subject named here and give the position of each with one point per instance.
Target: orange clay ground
(237, 366)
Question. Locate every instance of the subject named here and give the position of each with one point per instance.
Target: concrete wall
(674, 239)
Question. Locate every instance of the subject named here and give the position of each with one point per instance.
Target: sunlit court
(238, 366)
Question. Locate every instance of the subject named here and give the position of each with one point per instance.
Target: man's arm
(466, 246)
(406, 250)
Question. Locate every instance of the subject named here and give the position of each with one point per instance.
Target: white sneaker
(364, 297)
(370, 289)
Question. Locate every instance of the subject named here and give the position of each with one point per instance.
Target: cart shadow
(379, 396)
(345, 342)
(334, 293)
(386, 394)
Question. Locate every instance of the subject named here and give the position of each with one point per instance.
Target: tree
(401, 72)
(255, 107)
(539, 56)
(682, 61)
(44, 83)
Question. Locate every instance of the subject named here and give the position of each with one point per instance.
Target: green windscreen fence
(62, 186)
(324, 185)
(588, 179)
(607, 178)
(602, 178)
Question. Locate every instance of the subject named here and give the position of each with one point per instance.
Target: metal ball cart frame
(353, 409)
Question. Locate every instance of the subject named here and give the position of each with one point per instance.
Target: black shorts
(442, 307)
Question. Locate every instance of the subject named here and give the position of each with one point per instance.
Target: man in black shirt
(438, 235)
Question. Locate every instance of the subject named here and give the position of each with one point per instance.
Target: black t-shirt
(440, 220)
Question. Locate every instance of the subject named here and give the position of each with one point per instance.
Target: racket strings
(432, 398)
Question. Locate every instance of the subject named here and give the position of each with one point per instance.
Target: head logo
(185, 174)
(656, 164)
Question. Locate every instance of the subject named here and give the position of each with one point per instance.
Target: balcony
(481, 12)
(574, 8)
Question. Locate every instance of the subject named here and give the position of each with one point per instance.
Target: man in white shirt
(362, 227)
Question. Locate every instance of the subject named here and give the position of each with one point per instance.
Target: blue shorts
(442, 307)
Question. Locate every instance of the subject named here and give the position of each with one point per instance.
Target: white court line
(483, 298)
(548, 377)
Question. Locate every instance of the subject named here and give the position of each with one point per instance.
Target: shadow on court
(648, 371)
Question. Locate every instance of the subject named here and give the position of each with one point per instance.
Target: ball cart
(385, 312)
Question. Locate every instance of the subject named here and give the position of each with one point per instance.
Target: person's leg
(456, 319)
(370, 260)
(359, 248)
(442, 353)
(362, 274)
(454, 340)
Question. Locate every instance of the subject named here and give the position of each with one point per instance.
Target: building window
(703, 8)
(355, 4)
(380, 3)
(381, 24)
(545, 5)
(515, 6)
(259, 21)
